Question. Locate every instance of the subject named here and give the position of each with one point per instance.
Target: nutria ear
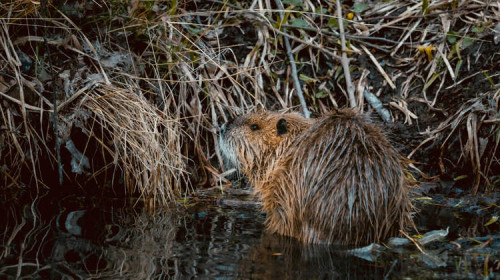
(281, 127)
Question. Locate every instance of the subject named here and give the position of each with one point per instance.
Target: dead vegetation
(142, 87)
(145, 142)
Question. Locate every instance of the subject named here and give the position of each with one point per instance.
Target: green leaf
(191, 30)
(458, 178)
(337, 73)
(306, 79)
(457, 68)
(451, 36)
(321, 11)
(425, 6)
(360, 7)
(488, 77)
(457, 49)
(297, 3)
(173, 9)
(284, 19)
(431, 80)
(491, 221)
(321, 94)
(467, 42)
(497, 140)
(333, 23)
(298, 22)
(478, 29)
(424, 198)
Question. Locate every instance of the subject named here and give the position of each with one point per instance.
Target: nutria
(335, 179)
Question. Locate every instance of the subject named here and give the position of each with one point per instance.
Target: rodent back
(340, 181)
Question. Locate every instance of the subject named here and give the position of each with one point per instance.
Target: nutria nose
(224, 127)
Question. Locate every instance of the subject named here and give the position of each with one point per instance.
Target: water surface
(85, 237)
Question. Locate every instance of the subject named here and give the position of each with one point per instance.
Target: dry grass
(190, 65)
(145, 142)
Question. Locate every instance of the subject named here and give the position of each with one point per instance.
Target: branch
(295, 78)
(344, 61)
(55, 114)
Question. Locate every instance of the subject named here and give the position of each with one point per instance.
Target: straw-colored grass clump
(145, 142)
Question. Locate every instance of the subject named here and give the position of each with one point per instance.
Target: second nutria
(335, 179)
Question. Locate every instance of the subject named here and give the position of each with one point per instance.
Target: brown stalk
(345, 62)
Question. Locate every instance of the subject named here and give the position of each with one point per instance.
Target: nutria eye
(254, 127)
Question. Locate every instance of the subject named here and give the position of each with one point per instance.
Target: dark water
(81, 238)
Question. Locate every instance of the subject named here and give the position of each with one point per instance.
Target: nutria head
(250, 143)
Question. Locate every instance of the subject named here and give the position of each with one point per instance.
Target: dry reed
(145, 142)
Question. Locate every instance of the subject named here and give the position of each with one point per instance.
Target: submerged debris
(78, 160)
(434, 235)
(369, 253)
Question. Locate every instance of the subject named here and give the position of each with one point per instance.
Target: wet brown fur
(335, 179)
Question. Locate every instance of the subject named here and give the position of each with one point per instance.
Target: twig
(321, 48)
(27, 106)
(379, 68)
(23, 40)
(468, 77)
(89, 44)
(447, 63)
(76, 95)
(420, 145)
(403, 107)
(55, 116)
(391, 269)
(344, 61)
(240, 203)
(403, 16)
(406, 37)
(296, 82)
(413, 240)
(361, 38)
(451, 12)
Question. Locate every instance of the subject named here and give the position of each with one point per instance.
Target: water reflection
(74, 237)
(62, 239)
